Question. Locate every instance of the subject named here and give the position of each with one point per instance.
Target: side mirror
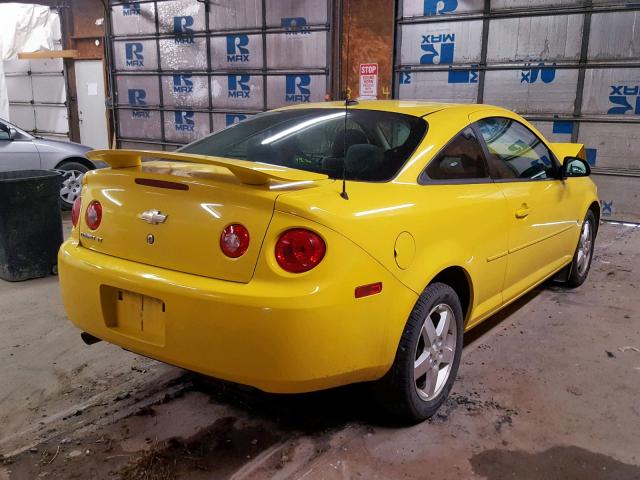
(575, 167)
(13, 133)
(363, 157)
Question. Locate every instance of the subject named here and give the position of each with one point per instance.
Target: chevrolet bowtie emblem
(153, 217)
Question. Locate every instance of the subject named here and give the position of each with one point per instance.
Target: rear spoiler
(251, 173)
(563, 150)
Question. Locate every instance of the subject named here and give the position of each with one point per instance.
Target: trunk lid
(199, 201)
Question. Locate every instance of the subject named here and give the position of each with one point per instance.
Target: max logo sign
(137, 97)
(183, 29)
(133, 53)
(539, 73)
(232, 119)
(184, 121)
(462, 76)
(438, 49)
(239, 86)
(295, 25)
(626, 99)
(439, 7)
(182, 84)
(129, 9)
(237, 48)
(297, 89)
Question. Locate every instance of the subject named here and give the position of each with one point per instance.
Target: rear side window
(317, 139)
(461, 159)
(515, 152)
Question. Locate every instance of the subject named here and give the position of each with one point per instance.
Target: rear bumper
(279, 336)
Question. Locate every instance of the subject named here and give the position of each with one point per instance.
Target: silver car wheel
(435, 352)
(71, 185)
(585, 245)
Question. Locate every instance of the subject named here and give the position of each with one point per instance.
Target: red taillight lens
(234, 240)
(75, 211)
(93, 216)
(299, 250)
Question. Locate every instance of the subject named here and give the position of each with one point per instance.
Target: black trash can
(30, 223)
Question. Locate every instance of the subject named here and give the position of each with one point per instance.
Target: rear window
(317, 139)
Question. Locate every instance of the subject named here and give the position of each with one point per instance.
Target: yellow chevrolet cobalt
(317, 245)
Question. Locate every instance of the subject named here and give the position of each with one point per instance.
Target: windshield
(315, 140)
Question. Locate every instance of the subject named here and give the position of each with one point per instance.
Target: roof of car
(412, 107)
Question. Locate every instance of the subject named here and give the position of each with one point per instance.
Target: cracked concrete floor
(549, 388)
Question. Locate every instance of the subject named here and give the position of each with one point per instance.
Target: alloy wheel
(71, 186)
(435, 352)
(585, 245)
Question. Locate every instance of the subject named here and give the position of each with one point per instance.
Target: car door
(473, 207)
(540, 223)
(16, 153)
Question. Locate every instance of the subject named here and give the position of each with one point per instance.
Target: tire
(399, 392)
(71, 182)
(581, 263)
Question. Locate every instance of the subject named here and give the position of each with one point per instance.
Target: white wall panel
(184, 90)
(616, 144)
(441, 43)
(237, 91)
(297, 50)
(511, 4)
(612, 91)
(235, 14)
(615, 35)
(296, 14)
(181, 16)
(535, 90)
(135, 55)
(143, 124)
(236, 51)
(429, 8)
(523, 39)
(133, 18)
(436, 86)
(295, 88)
(185, 126)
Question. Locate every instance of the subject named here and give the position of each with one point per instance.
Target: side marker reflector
(366, 290)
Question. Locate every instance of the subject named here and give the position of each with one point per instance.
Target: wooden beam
(48, 54)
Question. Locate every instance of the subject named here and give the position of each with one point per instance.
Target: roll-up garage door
(571, 67)
(184, 68)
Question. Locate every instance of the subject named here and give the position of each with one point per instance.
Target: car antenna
(347, 102)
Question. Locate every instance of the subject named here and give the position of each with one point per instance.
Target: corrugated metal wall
(183, 68)
(572, 67)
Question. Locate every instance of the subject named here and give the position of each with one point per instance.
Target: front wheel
(581, 263)
(427, 358)
(72, 173)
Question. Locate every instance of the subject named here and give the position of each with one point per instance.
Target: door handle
(523, 211)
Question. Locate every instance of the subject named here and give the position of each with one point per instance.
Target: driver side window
(515, 152)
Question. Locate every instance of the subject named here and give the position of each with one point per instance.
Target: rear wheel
(428, 356)
(581, 263)
(71, 182)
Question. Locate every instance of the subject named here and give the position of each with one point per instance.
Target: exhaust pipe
(89, 339)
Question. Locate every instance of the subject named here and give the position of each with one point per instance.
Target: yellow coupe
(318, 245)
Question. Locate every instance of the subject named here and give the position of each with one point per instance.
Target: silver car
(20, 150)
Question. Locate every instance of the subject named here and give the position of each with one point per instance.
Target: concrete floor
(549, 388)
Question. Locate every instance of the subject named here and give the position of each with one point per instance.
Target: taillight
(299, 250)
(75, 211)
(93, 216)
(234, 240)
